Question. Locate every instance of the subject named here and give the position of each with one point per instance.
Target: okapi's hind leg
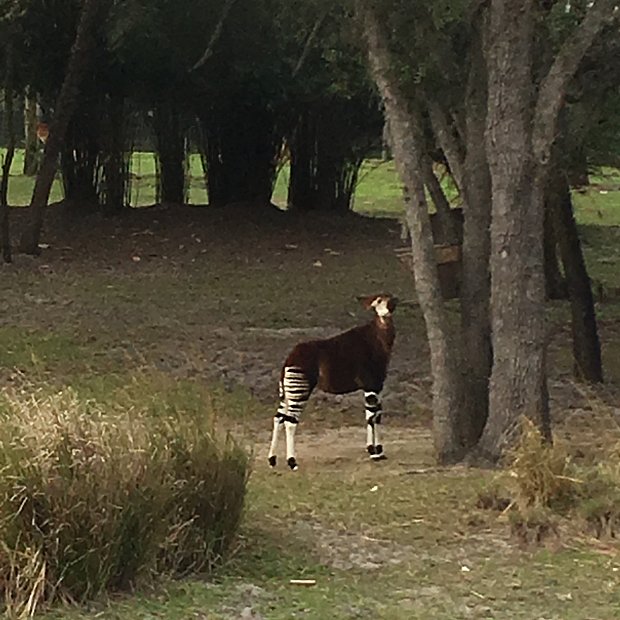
(278, 422)
(374, 447)
(295, 390)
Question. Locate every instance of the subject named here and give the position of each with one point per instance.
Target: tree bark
(518, 379)
(447, 224)
(586, 344)
(468, 163)
(555, 284)
(521, 131)
(406, 134)
(9, 96)
(475, 291)
(31, 141)
(66, 104)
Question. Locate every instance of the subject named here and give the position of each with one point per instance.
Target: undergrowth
(96, 498)
(545, 491)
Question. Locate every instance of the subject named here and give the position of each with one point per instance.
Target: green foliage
(96, 498)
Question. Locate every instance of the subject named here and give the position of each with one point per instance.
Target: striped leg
(297, 391)
(373, 420)
(278, 421)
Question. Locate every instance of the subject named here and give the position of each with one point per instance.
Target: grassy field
(378, 192)
(217, 298)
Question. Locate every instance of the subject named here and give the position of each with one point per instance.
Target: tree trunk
(586, 344)
(324, 168)
(555, 284)
(171, 154)
(31, 141)
(406, 143)
(115, 158)
(521, 130)
(241, 147)
(476, 286)
(447, 225)
(9, 96)
(518, 379)
(79, 159)
(67, 101)
(301, 191)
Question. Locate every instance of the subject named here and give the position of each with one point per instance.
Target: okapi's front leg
(372, 404)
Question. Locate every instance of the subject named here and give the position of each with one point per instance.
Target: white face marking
(381, 306)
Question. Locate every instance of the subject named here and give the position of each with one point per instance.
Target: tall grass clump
(541, 473)
(545, 490)
(96, 498)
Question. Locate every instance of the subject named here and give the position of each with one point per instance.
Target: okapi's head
(383, 304)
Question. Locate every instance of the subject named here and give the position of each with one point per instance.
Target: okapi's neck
(385, 329)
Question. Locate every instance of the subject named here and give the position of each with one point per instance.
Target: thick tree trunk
(66, 104)
(405, 133)
(9, 96)
(475, 293)
(31, 141)
(586, 344)
(518, 379)
(521, 130)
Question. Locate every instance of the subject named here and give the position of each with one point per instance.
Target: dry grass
(95, 499)
(541, 474)
(549, 494)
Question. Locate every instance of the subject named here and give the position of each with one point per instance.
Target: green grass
(379, 191)
(426, 576)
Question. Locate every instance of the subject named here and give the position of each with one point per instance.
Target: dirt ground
(224, 294)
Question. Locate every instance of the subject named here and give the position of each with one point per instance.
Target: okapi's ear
(366, 300)
(394, 301)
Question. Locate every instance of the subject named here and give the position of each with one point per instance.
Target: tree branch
(554, 86)
(447, 141)
(438, 196)
(217, 33)
(309, 42)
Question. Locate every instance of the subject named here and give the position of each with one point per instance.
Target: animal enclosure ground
(218, 296)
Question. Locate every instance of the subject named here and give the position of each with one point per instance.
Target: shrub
(599, 505)
(95, 498)
(545, 491)
(541, 474)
